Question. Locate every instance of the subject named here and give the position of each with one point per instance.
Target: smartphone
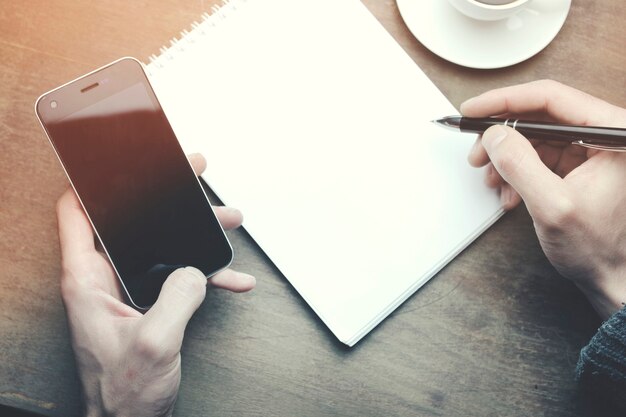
(134, 181)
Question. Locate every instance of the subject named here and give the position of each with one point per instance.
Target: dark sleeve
(602, 364)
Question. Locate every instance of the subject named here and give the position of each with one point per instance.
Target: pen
(595, 137)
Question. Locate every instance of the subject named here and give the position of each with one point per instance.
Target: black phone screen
(139, 190)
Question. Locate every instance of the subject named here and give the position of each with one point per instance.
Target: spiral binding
(189, 37)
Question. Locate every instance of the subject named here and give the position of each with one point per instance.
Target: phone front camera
(53, 104)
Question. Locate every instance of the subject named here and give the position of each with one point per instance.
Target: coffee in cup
(489, 9)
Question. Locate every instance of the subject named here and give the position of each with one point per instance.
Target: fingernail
(490, 170)
(235, 213)
(475, 146)
(493, 136)
(505, 195)
(194, 155)
(466, 103)
(195, 271)
(251, 278)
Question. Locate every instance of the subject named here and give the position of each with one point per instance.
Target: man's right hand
(576, 196)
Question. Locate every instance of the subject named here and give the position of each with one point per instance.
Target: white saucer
(479, 44)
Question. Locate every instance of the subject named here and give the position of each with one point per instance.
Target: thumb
(518, 163)
(181, 295)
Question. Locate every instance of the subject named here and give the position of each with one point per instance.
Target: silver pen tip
(449, 122)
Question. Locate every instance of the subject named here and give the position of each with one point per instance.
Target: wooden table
(496, 333)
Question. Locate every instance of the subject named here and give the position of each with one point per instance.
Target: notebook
(316, 125)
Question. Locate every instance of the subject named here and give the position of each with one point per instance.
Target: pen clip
(611, 148)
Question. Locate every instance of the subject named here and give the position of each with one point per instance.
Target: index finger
(562, 103)
(198, 163)
(75, 232)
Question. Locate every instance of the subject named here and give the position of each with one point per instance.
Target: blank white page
(316, 124)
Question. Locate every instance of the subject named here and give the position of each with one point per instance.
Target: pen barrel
(478, 125)
(609, 136)
(568, 133)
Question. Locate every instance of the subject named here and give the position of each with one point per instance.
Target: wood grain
(496, 333)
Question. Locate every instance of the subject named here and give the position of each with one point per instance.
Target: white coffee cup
(489, 9)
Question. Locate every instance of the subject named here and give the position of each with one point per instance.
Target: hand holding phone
(160, 238)
(128, 362)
